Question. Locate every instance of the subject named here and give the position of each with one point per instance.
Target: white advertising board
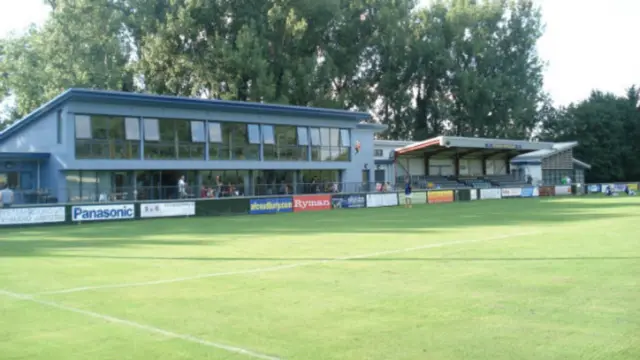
(154, 210)
(102, 212)
(379, 200)
(486, 194)
(511, 192)
(35, 215)
(563, 190)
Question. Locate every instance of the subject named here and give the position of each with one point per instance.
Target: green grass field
(512, 279)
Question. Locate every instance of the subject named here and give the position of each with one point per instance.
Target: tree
(80, 45)
(606, 126)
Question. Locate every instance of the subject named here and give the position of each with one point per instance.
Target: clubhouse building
(89, 145)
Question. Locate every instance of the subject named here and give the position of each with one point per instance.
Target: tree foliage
(607, 127)
(458, 67)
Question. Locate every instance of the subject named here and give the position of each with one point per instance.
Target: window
(215, 133)
(335, 137)
(286, 147)
(378, 153)
(233, 142)
(83, 127)
(59, 127)
(303, 136)
(109, 137)
(132, 128)
(151, 130)
(315, 136)
(345, 139)
(325, 136)
(197, 132)
(267, 134)
(254, 134)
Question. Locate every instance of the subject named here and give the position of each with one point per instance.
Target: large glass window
(286, 145)
(215, 133)
(132, 128)
(330, 144)
(151, 130)
(344, 150)
(316, 145)
(303, 136)
(325, 141)
(254, 134)
(233, 142)
(83, 127)
(176, 139)
(268, 135)
(104, 137)
(345, 138)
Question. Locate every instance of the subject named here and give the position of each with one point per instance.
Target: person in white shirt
(6, 196)
(182, 188)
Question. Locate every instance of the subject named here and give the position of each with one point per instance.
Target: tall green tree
(606, 126)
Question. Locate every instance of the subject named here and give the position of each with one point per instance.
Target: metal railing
(150, 193)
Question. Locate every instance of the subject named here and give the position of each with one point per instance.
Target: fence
(224, 191)
(255, 205)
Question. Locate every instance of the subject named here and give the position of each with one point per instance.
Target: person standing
(6, 196)
(182, 188)
(407, 194)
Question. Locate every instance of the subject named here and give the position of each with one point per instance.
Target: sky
(588, 44)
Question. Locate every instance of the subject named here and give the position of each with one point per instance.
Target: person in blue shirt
(407, 193)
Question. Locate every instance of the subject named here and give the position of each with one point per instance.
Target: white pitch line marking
(148, 328)
(280, 267)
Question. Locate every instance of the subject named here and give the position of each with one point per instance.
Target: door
(365, 180)
(380, 176)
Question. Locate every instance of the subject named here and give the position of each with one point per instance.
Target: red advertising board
(311, 203)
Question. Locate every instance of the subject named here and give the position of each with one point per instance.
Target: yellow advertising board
(440, 196)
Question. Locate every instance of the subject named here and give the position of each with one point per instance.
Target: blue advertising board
(595, 188)
(526, 192)
(348, 201)
(271, 205)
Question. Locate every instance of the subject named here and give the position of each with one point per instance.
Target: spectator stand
(459, 162)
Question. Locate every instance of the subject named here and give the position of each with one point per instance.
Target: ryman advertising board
(311, 203)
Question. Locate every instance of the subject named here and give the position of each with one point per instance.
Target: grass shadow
(395, 221)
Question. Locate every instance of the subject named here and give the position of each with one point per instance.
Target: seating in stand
(475, 182)
(442, 182)
(505, 180)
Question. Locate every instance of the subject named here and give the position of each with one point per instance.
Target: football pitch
(511, 279)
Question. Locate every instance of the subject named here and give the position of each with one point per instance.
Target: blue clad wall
(41, 137)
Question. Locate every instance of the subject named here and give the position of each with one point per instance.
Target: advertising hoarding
(102, 212)
(35, 215)
(270, 205)
(155, 210)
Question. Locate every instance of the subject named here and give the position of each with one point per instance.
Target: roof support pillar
(426, 165)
